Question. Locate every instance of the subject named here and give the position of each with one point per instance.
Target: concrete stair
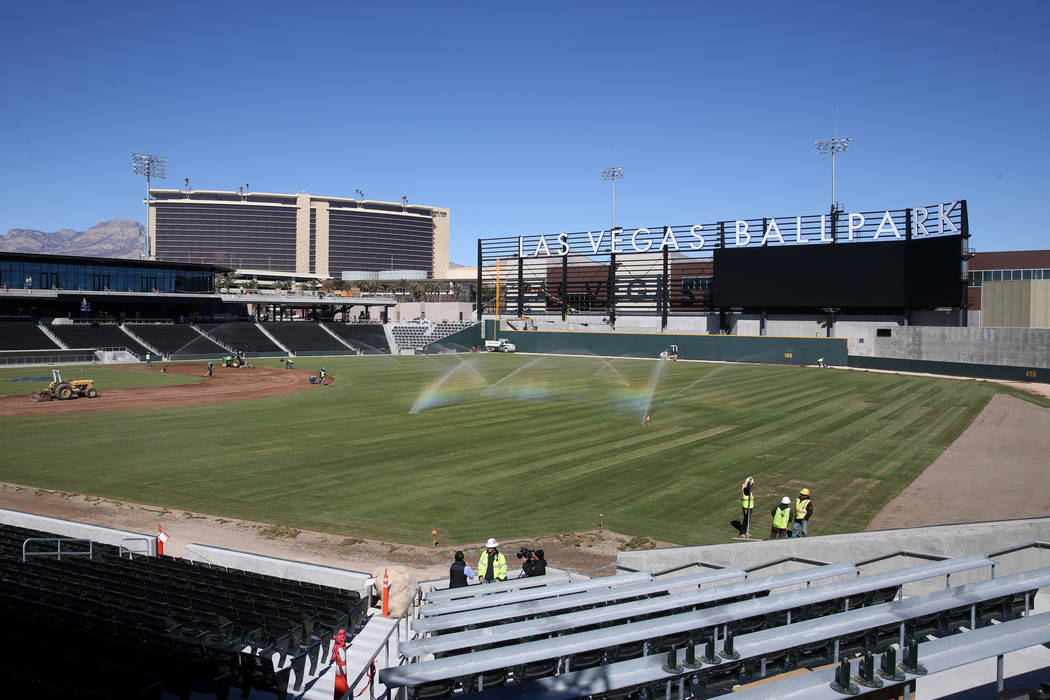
(362, 647)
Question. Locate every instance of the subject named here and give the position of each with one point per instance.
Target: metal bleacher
(639, 640)
(146, 626)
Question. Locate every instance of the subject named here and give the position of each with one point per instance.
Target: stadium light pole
(151, 166)
(612, 175)
(833, 145)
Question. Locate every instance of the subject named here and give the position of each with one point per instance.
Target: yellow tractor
(63, 390)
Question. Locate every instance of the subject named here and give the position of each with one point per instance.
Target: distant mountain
(119, 238)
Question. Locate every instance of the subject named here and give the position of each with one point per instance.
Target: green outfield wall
(954, 369)
(721, 348)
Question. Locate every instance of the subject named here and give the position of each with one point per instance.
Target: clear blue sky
(506, 112)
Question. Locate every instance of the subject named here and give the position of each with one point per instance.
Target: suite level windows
(978, 277)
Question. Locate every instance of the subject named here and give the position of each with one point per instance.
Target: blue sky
(505, 112)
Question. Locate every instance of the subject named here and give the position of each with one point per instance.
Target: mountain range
(118, 238)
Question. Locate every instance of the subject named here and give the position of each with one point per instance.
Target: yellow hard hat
(804, 492)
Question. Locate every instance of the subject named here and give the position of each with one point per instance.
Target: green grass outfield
(23, 380)
(545, 450)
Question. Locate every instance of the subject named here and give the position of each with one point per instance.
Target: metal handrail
(384, 644)
(25, 553)
(1035, 544)
(785, 560)
(904, 553)
(122, 549)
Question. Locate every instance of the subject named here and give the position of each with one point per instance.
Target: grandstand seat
(721, 678)
(242, 336)
(97, 336)
(587, 659)
(304, 336)
(536, 669)
(437, 689)
(809, 655)
(370, 337)
(176, 340)
(258, 673)
(24, 335)
(776, 663)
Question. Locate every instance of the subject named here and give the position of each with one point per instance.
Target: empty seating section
(137, 627)
(23, 335)
(629, 640)
(241, 336)
(176, 339)
(304, 336)
(410, 335)
(370, 338)
(90, 336)
(420, 334)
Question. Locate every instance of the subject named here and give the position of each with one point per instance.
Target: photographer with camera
(532, 562)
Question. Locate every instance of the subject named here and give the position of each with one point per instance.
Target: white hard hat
(786, 501)
(492, 543)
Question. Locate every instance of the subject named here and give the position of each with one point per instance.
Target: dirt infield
(995, 470)
(226, 384)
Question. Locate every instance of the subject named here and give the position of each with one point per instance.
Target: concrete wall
(1016, 304)
(433, 310)
(68, 528)
(1021, 347)
(282, 568)
(949, 540)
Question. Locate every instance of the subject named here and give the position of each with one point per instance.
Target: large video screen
(921, 273)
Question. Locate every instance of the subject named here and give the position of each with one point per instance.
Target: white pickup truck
(501, 345)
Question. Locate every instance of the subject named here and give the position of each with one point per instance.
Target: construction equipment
(670, 353)
(235, 360)
(63, 390)
(501, 345)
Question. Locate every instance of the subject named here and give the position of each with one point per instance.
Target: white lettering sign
(643, 240)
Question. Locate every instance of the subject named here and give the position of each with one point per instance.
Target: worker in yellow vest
(803, 512)
(781, 519)
(492, 565)
(747, 504)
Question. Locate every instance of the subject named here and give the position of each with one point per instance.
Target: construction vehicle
(63, 390)
(235, 360)
(670, 353)
(501, 345)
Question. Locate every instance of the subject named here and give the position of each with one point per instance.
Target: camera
(524, 553)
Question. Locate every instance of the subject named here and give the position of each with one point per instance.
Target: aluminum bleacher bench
(522, 595)
(534, 608)
(514, 584)
(757, 648)
(657, 587)
(936, 655)
(838, 596)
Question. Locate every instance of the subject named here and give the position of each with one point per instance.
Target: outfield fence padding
(718, 348)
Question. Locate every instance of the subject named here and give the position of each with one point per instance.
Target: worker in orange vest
(339, 657)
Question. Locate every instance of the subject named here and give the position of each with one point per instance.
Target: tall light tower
(833, 146)
(612, 175)
(151, 166)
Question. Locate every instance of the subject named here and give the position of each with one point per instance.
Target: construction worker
(339, 659)
(803, 512)
(781, 519)
(324, 376)
(149, 360)
(747, 504)
(492, 565)
(211, 366)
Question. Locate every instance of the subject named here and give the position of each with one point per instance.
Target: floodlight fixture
(150, 166)
(612, 175)
(834, 145)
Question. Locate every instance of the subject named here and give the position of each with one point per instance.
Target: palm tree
(418, 292)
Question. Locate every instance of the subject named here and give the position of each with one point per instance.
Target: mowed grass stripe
(350, 458)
